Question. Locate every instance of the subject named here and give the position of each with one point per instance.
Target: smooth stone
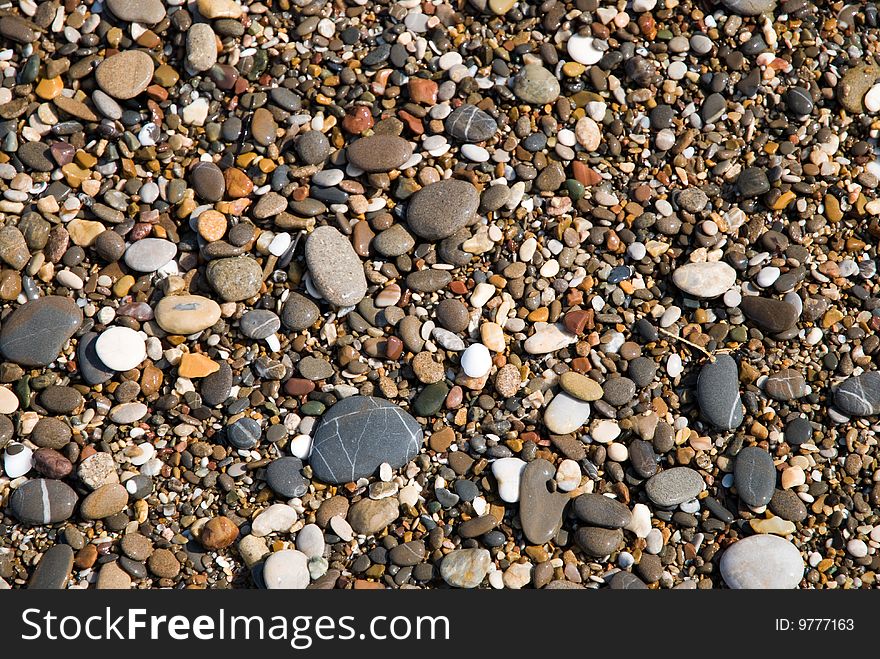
(310, 540)
(754, 476)
(704, 280)
(642, 458)
(201, 52)
(440, 209)
(336, 269)
(358, 434)
(36, 332)
(465, 568)
(107, 500)
(245, 433)
(215, 388)
(113, 577)
(369, 517)
(149, 254)
(540, 509)
(672, 487)
(127, 413)
(799, 101)
(788, 505)
(750, 7)
(598, 542)
(277, 518)
(121, 348)
(53, 570)
(42, 501)
(299, 312)
(146, 12)
(580, 386)
(17, 460)
(566, 414)
(407, 554)
(476, 361)
(313, 147)
(285, 479)
(787, 384)
(186, 314)
(125, 74)
(718, 393)
(379, 153)
(468, 123)
(536, 85)
(549, 338)
(394, 241)
(259, 323)
(769, 314)
(753, 182)
(207, 180)
(859, 395)
(236, 278)
(508, 473)
(762, 562)
(599, 510)
(287, 569)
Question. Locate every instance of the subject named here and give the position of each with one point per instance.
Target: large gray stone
(36, 332)
(718, 393)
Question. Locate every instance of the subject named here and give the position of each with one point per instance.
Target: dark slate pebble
(718, 393)
(618, 391)
(799, 101)
(859, 395)
(207, 181)
(753, 182)
(312, 147)
(53, 570)
(285, 479)
(408, 554)
(787, 384)
(35, 333)
(626, 581)
(714, 506)
(215, 387)
(788, 505)
(642, 458)
(798, 431)
(642, 370)
(36, 156)
(754, 476)
(244, 433)
(358, 434)
(259, 323)
(42, 501)
(468, 123)
(769, 314)
(597, 542)
(599, 510)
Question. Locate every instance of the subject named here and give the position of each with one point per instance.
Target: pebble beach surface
(472, 294)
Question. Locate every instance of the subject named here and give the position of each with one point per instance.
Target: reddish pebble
(299, 386)
(576, 321)
(454, 398)
(393, 348)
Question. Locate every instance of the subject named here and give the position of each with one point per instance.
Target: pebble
(58, 319)
(508, 473)
(358, 434)
(149, 254)
(540, 509)
(536, 85)
(235, 279)
(566, 414)
(369, 517)
(718, 393)
(465, 568)
(120, 348)
(599, 510)
(41, 501)
(704, 280)
(468, 123)
(286, 569)
(762, 562)
(125, 75)
(439, 210)
(186, 314)
(277, 518)
(379, 153)
(859, 395)
(146, 12)
(755, 476)
(336, 269)
(674, 486)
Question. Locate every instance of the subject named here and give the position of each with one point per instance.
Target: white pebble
(507, 472)
(476, 360)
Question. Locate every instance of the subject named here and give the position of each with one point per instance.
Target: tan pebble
(212, 225)
(793, 477)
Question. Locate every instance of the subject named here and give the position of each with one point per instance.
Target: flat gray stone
(718, 393)
(53, 570)
(358, 434)
(540, 509)
(672, 487)
(749, 7)
(36, 332)
(379, 153)
(149, 254)
(468, 123)
(146, 12)
(599, 510)
(440, 209)
(859, 395)
(754, 476)
(42, 501)
(336, 269)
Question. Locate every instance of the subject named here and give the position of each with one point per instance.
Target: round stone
(313, 147)
(287, 569)
(121, 348)
(762, 562)
(465, 568)
(285, 479)
(244, 433)
(235, 279)
(42, 501)
(125, 74)
(360, 433)
(440, 209)
(535, 84)
(566, 414)
(299, 312)
(476, 360)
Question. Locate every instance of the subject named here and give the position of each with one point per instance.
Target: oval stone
(336, 269)
(599, 510)
(149, 254)
(440, 209)
(186, 314)
(704, 280)
(769, 314)
(126, 74)
(535, 84)
(468, 123)
(287, 569)
(43, 501)
(465, 568)
(358, 434)
(379, 153)
(566, 414)
(762, 562)
(36, 332)
(754, 476)
(672, 487)
(718, 393)
(147, 12)
(859, 395)
(235, 279)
